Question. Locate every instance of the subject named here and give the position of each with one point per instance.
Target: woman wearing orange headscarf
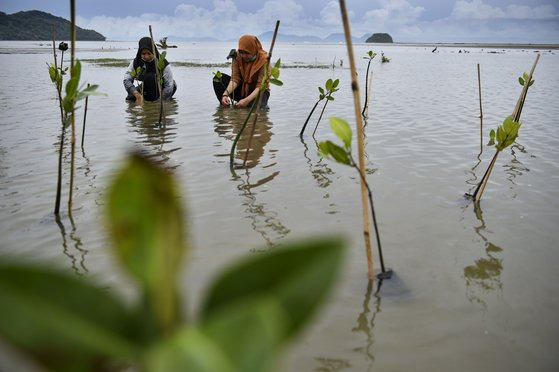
(247, 74)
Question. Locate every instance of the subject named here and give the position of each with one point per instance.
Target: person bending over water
(146, 61)
(247, 72)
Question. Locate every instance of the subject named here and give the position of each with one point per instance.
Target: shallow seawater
(474, 288)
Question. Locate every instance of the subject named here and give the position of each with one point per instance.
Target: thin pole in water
(157, 77)
(261, 94)
(480, 109)
(360, 140)
(84, 117)
(73, 140)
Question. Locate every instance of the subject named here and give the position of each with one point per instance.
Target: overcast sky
(507, 21)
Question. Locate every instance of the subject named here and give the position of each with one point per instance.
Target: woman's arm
(168, 82)
(225, 100)
(129, 83)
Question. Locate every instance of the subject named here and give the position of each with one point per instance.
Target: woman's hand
(139, 98)
(225, 100)
(242, 103)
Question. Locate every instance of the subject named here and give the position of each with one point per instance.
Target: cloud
(477, 9)
(469, 21)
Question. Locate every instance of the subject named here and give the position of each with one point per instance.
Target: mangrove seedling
(370, 56)
(384, 59)
(325, 93)
(138, 75)
(506, 133)
(343, 155)
(246, 318)
(218, 78)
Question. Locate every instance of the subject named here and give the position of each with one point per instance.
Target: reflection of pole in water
(143, 120)
(263, 221)
(77, 245)
(485, 274)
(367, 326)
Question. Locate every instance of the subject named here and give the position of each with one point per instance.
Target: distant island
(379, 38)
(37, 25)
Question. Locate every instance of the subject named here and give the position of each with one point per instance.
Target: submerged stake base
(385, 274)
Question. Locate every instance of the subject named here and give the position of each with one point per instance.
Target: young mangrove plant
(269, 77)
(370, 56)
(138, 75)
(325, 93)
(249, 313)
(384, 59)
(507, 132)
(56, 76)
(343, 155)
(218, 78)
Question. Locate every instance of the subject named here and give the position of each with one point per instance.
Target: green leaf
(145, 223)
(61, 319)
(507, 133)
(342, 130)
(278, 64)
(275, 72)
(89, 91)
(531, 82)
(338, 153)
(321, 90)
(298, 276)
(188, 350)
(329, 84)
(526, 76)
(335, 85)
(250, 332)
(276, 82)
(521, 81)
(491, 138)
(330, 98)
(322, 97)
(370, 53)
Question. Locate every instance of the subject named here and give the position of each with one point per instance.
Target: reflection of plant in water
(331, 365)
(158, 139)
(246, 318)
(78, 268)
(485, 273)
(365, 325)
(319, 170)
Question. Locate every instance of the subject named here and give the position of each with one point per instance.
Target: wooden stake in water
(158, 77)
(261, 94)
(84, 117)
(72, 62)
(360, 139)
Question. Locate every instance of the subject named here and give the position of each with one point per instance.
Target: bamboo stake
(261, 93)
(360, 140)
(59, 92)
(157, 77)
(73, 139)
(84, 117)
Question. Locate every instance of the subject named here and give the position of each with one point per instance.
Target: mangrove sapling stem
(308, 118)
(366, 89)
(384, 274)
(479, 191)
(320, 117)
(84, 117)
(59, 92)
(157, 76)
(238, 136)
(368, 97)
(72, 62)
(480, 109)
(260, 95)
(360, 139)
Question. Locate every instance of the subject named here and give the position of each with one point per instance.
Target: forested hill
(37, 25)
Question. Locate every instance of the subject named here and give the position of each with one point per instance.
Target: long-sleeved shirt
(168, 82)
(236, 77)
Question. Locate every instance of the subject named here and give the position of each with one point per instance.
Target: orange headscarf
(249, 70)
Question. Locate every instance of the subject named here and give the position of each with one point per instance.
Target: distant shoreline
(479, 45)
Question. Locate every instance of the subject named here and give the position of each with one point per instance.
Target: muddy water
(475, 288)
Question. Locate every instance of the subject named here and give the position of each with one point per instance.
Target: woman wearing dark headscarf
(247, 75)
(146, 61)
